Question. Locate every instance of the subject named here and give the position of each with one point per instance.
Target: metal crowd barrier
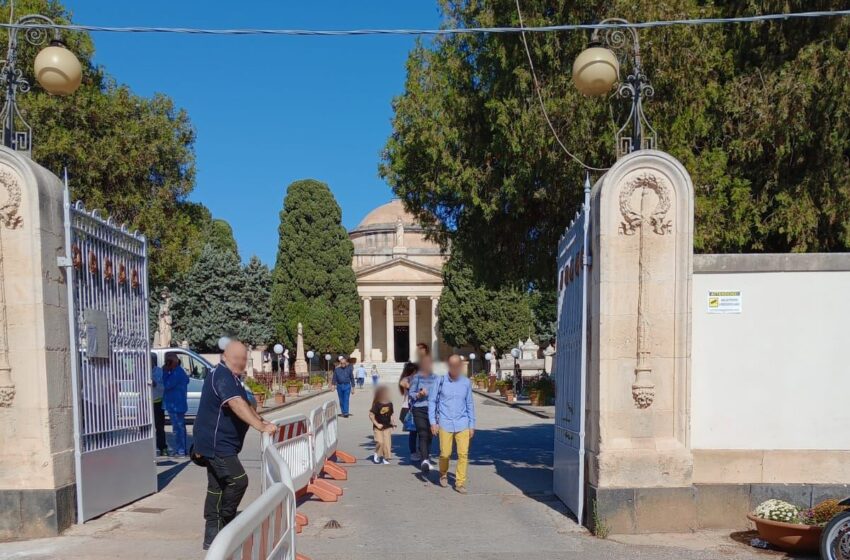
(265, 530)
(294, 445)
(331, 428)
(317, 436)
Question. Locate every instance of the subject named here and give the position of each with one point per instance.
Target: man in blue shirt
(343, 380)
(220, 427)
(175, 382)
(451, 412)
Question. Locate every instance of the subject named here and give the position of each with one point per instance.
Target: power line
(540, 98)
(445, 31)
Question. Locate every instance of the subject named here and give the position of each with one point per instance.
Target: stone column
(367, 329)
(435, 342)
(639, 318)
(390, 357)
(412, 301)
(37, 483)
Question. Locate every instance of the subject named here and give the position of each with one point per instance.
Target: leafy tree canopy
(220, 236)
(753, 111)
(129, 156)
(313, 282)
(474, 314)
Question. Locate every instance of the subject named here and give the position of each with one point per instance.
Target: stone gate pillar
(639, 459)
(37, 489)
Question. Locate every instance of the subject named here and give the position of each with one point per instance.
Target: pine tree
(313, 282)
(258, 285)
(211, 300)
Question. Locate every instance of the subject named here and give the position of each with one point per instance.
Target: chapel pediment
(400, 271)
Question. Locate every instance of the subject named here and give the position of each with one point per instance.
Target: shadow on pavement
(164, 478)
(521, 455)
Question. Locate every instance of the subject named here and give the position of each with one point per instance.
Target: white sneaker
(385, 461)
(376, 459)
(425, 466)
(415, 456)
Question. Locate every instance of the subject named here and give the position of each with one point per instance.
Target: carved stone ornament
(632, 219)
(9, 208)
(643, 390)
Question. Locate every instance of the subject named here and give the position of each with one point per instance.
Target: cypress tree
(313, 282)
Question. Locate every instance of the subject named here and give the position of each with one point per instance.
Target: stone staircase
(390, 372)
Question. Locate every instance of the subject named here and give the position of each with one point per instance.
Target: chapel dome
(387, 215)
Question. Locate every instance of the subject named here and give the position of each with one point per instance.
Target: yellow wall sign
(725, 301)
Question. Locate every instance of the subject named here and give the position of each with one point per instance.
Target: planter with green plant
(317, 382)
(294, 386)
(258, 389)
(480, 380)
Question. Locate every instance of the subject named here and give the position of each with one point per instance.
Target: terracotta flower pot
(279, 398)
(510, 396)
(491, 384)
(503, 391)
(790, 537)
(292, 390)
(260, 401)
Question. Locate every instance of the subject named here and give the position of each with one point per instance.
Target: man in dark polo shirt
(224, 416)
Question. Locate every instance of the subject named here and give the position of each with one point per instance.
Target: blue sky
(269, 110)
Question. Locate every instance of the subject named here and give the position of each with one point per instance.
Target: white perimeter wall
(777, 375)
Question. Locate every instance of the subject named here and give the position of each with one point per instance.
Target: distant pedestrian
(157, 391)
(361, 375)
(342, 380)
(451, 412)
(422, 350)
(406, 417)
(381, 415)
(375, 375)
(421, 385)
(220, 427)
(175, 382)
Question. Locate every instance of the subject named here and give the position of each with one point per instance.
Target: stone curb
(528, 410)
(292, 402)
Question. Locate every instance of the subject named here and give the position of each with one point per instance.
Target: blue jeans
(178, 426)
(344, 393)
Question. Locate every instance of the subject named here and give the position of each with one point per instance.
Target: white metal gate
(571, 361)
(106, 273)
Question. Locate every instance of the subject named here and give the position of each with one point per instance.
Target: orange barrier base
(344, 457)
(301, 557)
(335, 471)
(301, 519)
(324, 490)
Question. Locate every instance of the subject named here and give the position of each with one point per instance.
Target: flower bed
(790, 528)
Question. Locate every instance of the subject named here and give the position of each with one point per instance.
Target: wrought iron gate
(571, 360)
(106, 274)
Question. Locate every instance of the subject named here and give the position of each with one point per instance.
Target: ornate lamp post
(516, 353)
(597, 70)
(57, 70)
(472, 364)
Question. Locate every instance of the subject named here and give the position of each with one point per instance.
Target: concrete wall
(770, 384)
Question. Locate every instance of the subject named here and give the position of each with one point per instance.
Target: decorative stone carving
(643, 389)
(632, 220)
(399, 232)
(10, 219)
(9, 208)
(165, 320)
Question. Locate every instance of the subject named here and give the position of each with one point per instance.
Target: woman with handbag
(405, 416)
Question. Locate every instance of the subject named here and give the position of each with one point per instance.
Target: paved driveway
(386, 512)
